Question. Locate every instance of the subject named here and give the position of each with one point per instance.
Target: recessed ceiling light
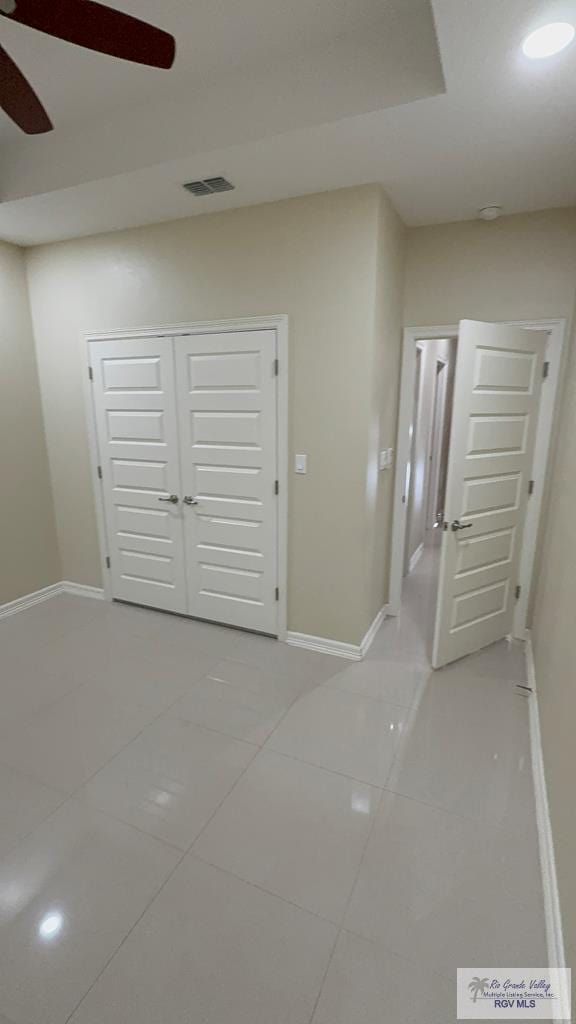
(548, 40)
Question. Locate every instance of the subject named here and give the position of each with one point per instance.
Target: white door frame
(411, 558)
(433, 454)
(278, 323)
(557, 330)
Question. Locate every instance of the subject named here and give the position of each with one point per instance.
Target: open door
(495, 412)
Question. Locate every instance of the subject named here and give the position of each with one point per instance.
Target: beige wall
(29, 554)
(516, 268)
(313, 258)
(524, 267)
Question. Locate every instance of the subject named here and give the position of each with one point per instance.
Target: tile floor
(200, 826)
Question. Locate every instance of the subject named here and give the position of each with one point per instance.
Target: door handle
(173, 499)
(190, 501)
(457, 525)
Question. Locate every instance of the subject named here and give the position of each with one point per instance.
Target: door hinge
(530, 487)
(107, 561)
(99, 469)
(277, 593)
(403, 499)
(90, 373)
(545, 370)
(276, 487)
(276, 367)
(518, 591)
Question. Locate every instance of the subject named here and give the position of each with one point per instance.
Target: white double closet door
(186, 430)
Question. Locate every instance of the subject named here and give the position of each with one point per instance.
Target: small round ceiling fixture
(490, 212)
(548, 40)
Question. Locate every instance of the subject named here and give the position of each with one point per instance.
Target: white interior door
(135, 407)
(227, 416)
(495, 410)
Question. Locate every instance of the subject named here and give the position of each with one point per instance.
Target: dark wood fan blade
(98, 27)
(18, 99)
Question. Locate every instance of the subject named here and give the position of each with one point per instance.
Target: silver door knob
(457, 525)
(173, 499)
(190, 501)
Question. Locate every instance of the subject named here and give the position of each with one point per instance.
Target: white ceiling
(290, 99)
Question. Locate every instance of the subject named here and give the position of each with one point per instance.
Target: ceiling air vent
(208, 187)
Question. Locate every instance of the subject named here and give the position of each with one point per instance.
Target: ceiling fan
(85, 23)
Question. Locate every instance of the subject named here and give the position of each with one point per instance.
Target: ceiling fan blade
(97, 27)
(18, 99)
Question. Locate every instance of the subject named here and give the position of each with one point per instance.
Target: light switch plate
(300, 463)
(385, 458)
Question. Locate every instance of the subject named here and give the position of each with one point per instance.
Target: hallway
(208, 827)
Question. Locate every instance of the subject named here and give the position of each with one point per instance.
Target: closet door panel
(135, 405)
(226, 388)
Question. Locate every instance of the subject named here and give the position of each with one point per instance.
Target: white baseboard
(21, 603)
(369, 638)
(553, 914)
(81, 590)
(64, 587)
(323, 645)
(416, 557)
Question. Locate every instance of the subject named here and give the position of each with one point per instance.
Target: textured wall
(313, 258)
(28, 548)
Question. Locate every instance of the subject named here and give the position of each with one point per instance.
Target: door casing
(554, 357)
(278, 323)
(434, 454)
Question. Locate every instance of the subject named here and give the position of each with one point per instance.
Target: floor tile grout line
(128, 824)
(149, 657)
(382, 944)
(324, 976)
(231, 654)
(486, 822)
(368, 696)
(128, 933)
(165, 711)
(22, 839)
(334, 771)
(94, 681)
(156, 894)
(490, 823)
(75, 793)
(341, 928)
(323, 768)
(262, 888)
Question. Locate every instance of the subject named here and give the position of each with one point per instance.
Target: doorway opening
(474, 429)
(425, 478)
(426, 470)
